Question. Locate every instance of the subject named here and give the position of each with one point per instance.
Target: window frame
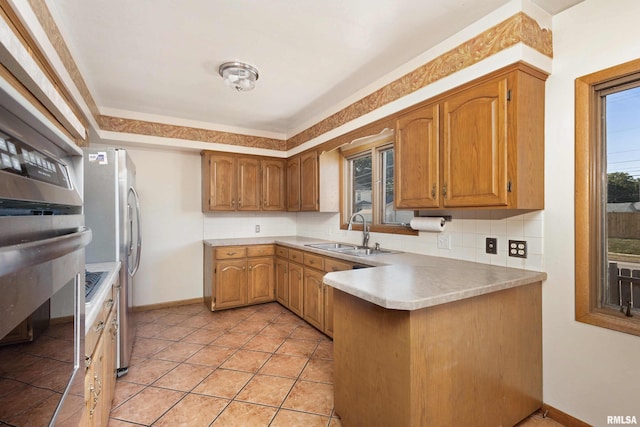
(589, 191)
(375, 148)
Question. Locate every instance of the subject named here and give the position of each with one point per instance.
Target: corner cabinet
(312, 180)
(242, 183)
(478, 146)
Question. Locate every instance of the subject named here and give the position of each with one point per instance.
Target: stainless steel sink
(348, 249)
(365, 251)
(332, 246)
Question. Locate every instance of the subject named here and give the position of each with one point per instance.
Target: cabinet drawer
(314, 261)
(332, 264)
(282, 252)
(260, 250)
(295, 256)
(229, 252)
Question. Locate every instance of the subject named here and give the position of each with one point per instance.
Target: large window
(608, 198)
(369, 187)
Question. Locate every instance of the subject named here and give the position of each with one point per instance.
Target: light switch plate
(257, 228)
(491, 245)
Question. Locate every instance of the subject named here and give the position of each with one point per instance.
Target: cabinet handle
(311, 262)
(244, 268)
(233, 202)
(109, 303)
(240, 203)
(250, 267)
(231, 253)
(265, 203)
(87, 361)
(433, 191)
(444, 190)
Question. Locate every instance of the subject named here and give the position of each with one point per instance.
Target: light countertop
(93, 308)
(406, 281)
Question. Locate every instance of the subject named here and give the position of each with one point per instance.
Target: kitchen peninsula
(449, 343)
(422, 340)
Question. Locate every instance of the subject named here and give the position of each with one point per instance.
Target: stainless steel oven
(42, 241)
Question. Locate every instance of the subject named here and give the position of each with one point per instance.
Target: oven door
(42, 319)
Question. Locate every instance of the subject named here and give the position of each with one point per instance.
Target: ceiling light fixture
(242, 77)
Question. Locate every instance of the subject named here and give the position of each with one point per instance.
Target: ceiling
(152, 57)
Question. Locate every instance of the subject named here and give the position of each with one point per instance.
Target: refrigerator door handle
(134, 269)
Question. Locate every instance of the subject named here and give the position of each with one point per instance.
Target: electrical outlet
(444, 241)
(491, 245)
(257, 228)
(518, 248)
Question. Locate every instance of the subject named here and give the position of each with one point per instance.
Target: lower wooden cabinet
(260, 280)
(235, 276)
(101, 354)
(299, 285)
(282, 281)
(313, 298)
(296, 293)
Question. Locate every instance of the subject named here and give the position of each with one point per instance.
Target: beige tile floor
(252, 366)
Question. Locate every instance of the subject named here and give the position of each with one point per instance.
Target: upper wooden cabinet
(474, 146)
(293, 184)
(273, 185)
(309, 182)
(417, 158)
(312, 182)
(481, 145)
(242, 183)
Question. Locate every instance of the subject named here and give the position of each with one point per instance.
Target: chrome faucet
(365, 229)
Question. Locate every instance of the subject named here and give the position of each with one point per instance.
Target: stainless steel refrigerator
(112, 212)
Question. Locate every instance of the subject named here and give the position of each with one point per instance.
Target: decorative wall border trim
(140, 127)
(519, 28)
(516, 29)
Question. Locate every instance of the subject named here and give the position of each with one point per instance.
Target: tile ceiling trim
(141, 127)
(520, 28)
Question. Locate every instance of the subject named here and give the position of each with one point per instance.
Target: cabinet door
(313, 311)
(417, 159)
(260, 279)
(309, 182)
(231, 283)
(222, 185)
(273, 185)
(293, 184)
(295, 288)
(475, 146)
(94, 383)
(109, 363)
(282, 281)
(248, 184)
(328, 310)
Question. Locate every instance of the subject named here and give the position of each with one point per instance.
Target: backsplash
(224, 225)
(467, 231)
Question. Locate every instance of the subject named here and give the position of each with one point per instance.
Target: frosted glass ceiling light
(242, 77)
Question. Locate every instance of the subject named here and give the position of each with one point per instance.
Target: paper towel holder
(447, 218)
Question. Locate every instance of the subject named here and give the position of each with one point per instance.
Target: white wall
(173, 225)
(168, 182)
(589, 372)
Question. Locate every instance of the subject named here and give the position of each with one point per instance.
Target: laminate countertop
(404, 280)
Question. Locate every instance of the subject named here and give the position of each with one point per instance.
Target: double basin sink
(348, 249)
